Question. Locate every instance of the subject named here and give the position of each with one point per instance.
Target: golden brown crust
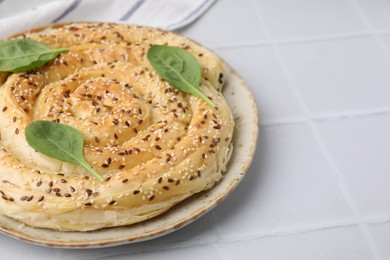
(154, 145)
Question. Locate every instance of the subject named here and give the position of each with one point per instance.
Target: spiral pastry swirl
(153, 144)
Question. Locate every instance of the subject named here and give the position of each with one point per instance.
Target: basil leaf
(60, 142)
(20, 55)
(179, 68)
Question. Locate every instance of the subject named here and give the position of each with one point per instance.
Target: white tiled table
(319, 187)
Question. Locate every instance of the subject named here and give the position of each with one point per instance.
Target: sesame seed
(158, 147)
(145, 138)
(89, 192)
(58, 194)
(151, 198)
(29, 198)
(67, 195)
(56, 189)
(166, 188)
(136, 192)
(23, 198)
(72, 189)
(17, 131)
(125, 180)
(40, 198)
(63, 181)
(112, 202)
(121, 166)
(220, 78)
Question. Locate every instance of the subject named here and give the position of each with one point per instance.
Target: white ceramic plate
(243, 105)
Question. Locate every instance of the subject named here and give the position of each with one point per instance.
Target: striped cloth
(19, 15)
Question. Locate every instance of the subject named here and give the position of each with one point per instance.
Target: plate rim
(13, 233)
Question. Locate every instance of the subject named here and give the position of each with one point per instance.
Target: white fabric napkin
(19, 15)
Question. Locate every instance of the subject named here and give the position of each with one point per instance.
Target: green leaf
(60, 142)
(20, 55)
(179, 68)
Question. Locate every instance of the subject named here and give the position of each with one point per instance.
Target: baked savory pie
(153, 144)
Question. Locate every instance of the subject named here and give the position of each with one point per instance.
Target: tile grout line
(328, 37)
(371, 29)
(317, 136)
(220, 243)
(275, 233)
(239, 238)
(337, 175)
(239, 45)
(290, 231)
(378, 219)
(296, 40)
(386, 52)
(326, 117)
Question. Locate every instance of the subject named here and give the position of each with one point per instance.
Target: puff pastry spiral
(153, 144)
